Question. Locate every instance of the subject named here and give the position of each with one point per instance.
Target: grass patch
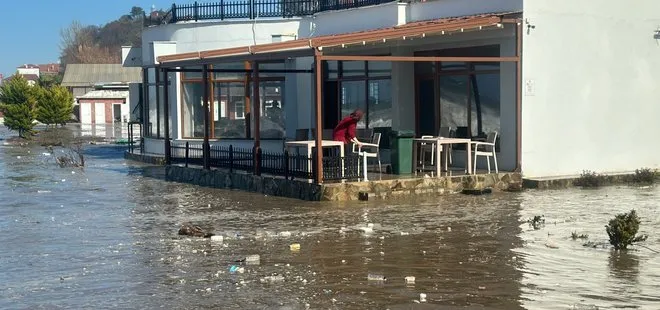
(622, 230)
(575, 236)
(590, 179)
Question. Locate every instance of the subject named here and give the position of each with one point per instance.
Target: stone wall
(145, 158)
(401, 188)
(242, 181)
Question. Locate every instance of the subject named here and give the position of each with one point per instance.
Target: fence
(252, 9)
(283, 164)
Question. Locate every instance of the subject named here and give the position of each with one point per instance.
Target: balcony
(252, 9)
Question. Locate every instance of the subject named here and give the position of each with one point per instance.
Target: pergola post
(319, 144)
(518, 97)
(166, 114)
(248, 104)
(257, 118)
(157, 82)
(205, 146)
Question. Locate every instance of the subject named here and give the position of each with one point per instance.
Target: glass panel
(229, 75)
(353, 97)
(193, 110)
(449, 66)
(333, 69)
(229, 110)
(161, 107)
(272, 109)
(193, 75)
(153, 117)
(485, 104)
(424, 68)
(426, 109)
(380, 103)
(453, 104)
(380, 68)
(353, 68)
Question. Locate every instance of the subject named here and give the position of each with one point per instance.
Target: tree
(54, 106)
(17, 102)
(48, 80)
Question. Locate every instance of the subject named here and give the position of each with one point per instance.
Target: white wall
(25, 71)
(201, 36)
(594, 66)
(449, 8)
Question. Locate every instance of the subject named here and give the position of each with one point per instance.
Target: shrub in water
(622, 230)
(575, 236)
(537, 221)
(589, 179)
(643, 176)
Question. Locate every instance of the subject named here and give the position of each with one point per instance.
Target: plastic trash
(235, 269)
(284, 234)
(295, 247)
(410, 280)
(449, 228)
(422, 297)
(217, 238)
(375, 277)
(272, 279)
(253, 259)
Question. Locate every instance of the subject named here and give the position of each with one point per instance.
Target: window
(362, 85)
(228, 106)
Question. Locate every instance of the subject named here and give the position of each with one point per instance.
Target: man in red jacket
(345, 130)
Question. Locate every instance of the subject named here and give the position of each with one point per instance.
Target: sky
(30, 29)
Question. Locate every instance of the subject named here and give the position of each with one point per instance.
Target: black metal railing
(283, 163)
(252, 9)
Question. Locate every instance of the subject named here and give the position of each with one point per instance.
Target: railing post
(231, 159)
(286, 165)
(251, 4)
(196, 13)
(256, 160)
(314, 166)
(174, 17)
(222, 9)
(187, 152)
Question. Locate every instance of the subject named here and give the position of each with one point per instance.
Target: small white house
(567, 85)
(104, 106)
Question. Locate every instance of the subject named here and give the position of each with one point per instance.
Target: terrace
(252, 9)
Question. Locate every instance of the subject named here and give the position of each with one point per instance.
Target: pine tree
(54, 106)
(17, 102)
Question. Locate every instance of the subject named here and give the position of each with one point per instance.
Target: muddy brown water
(106, 237)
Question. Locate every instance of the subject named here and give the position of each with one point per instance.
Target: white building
(568, 85)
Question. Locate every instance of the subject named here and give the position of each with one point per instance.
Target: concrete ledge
(145, 158)
(565, 182)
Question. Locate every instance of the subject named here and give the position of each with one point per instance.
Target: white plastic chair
(369, 150)
(485, 149)
(425, 148)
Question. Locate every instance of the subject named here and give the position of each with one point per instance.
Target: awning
(416, 29)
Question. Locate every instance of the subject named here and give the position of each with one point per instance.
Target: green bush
(643, 176)
(590, 179)
(575, 236)
(17, 102)
(622, 230)
(54, 106)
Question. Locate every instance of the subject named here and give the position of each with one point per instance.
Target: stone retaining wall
(145, 158)
(242, 181)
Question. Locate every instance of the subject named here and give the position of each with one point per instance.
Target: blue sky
(30, 29)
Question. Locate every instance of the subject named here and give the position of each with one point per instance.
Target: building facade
(531, 70)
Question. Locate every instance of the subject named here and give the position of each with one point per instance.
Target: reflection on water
(113, 131)
(105, 237)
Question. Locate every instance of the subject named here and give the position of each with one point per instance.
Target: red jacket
(345, 130)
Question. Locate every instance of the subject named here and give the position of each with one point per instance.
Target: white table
(309, 144)
(438, 142)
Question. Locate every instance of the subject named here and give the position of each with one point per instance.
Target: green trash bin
(401, 151)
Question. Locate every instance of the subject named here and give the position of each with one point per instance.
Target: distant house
(89, 81)
(104, 105)
(82, 78)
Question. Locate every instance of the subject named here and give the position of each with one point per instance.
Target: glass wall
(469, 93)
(193, 110)
(364, 85)
(229, 98)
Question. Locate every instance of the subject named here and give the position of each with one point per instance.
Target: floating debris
(295, 247)
(410, 280)
(422, 297)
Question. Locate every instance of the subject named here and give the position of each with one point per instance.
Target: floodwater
(106, 237)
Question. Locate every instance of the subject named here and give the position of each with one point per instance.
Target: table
(309, 144)
(438, 142)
